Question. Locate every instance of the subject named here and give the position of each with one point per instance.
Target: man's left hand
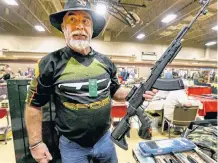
(150, 94)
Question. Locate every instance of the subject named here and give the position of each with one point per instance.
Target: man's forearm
(33, 120)
(121, 94)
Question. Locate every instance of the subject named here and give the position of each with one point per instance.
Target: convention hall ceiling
(22, 19)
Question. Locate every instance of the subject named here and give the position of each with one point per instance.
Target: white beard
(79, 44)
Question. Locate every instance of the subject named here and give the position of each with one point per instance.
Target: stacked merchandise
(132, 82)
(205, 137)
(178, 150)
(187, 157)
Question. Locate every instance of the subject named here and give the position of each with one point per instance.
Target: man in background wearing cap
(83, 82)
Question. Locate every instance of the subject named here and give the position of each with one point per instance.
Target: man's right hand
(41, 154)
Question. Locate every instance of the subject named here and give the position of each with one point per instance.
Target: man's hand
(41, 154)
(150, 94)
(121, 94)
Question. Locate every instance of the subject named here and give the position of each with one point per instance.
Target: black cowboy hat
(99, 21)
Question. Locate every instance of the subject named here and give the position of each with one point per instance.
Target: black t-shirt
(67, 74)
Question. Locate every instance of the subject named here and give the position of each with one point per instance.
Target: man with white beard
(83, 83)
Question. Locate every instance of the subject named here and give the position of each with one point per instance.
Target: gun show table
(141, 159)
(209, 104)
(119, 109)
(199, 90)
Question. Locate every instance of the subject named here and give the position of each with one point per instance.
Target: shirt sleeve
(41, 86)
(115, 85)
(182, 97)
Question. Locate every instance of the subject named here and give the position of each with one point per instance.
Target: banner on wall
(149, 56)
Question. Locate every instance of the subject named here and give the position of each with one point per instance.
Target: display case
(17, 90)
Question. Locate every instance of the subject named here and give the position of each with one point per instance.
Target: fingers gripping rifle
(135, 97)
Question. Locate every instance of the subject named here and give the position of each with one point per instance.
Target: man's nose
(80, 26)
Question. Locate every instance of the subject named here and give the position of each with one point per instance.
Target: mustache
(79, 33)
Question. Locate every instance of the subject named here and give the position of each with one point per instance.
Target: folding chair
(182, 117)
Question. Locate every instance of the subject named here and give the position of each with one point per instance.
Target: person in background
(178, 98)
(2, 73)
(124, 74)
(168, 74)
(7, 68)
(175, 73)
(29, 73)
(131, 78)
(185, 76)
(196, 76)
(132, 74)
(190, 81)
(83, 82)
(213, 77)
(6, 73)
(127, 74)
(20, 72)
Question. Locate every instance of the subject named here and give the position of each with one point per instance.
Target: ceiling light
(101, 8)
(215, 28)
(39, 28)
(211, 43)
(169, 18)
(11, 2)
(140, 36)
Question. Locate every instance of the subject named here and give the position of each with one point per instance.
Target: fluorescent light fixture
(11, 2)
(169, 18)
(39, 28)
(211, 43)
(101, 8)
(215, 28)
(140, 36)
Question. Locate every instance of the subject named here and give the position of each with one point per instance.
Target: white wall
(48, 44)
(211, 53)
(190, 53)
(137, 49)
(39, 44)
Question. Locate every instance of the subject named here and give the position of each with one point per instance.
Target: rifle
(135, 97)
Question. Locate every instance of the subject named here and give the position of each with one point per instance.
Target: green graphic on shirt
(93, 88)
(75, 70)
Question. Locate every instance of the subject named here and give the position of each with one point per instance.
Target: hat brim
(99, 21)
